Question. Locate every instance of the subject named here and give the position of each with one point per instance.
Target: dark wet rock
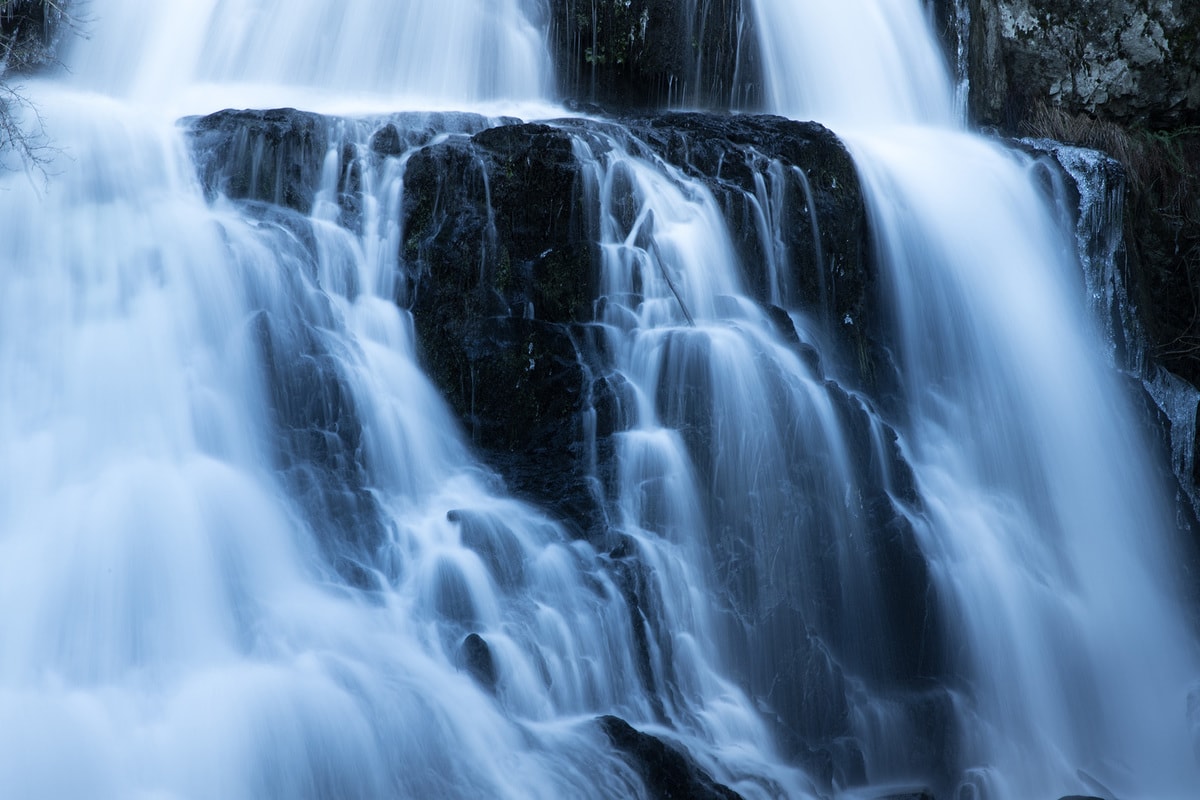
(476, 658)
(495, 220)
(894, 635)
(667, 771)
(277, 156)
(822, 602)
(386, 141)
(273, 156)
(638, 589)
(804, 692)
(656, 53)
(396, 133)
(916, 794)
(506, 264)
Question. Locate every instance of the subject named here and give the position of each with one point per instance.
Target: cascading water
(418, 55)
(1044, 522)
(245, 551)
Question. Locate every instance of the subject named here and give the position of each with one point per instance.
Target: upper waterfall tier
(449, 53)
(853, 62)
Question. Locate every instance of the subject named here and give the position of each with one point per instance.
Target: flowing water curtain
(285, 548)
(1027, 455)
(195, 599)
(1045, 492)
(851, 63)
(415, 53)
(284, 387)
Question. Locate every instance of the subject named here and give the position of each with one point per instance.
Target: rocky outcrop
(656, 53)
(667, 772)
(1132, 61)
(272, 156)
(498, 234)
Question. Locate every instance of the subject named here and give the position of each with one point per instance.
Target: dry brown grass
(1151, 159)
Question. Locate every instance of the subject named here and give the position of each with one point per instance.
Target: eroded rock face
(1133, 61)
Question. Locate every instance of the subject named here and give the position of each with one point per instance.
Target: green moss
(503, 278)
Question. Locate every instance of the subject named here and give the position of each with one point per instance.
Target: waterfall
(247, 550)
(1044, 521)
(358, 53)
(249, 546)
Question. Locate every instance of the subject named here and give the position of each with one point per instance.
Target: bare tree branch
(29, 33)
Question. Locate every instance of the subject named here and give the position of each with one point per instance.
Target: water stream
(1045, 520)
(205, 594)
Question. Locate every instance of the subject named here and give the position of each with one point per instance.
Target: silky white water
(394, 55)
(1045, 521)
(177, 616)
(193, 607)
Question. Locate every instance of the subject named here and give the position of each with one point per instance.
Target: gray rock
(1131, 61)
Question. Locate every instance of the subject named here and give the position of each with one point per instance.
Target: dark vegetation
(30, 31)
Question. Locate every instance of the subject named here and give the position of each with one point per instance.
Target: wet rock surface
(667, 771)
(273, 156)
(504, 267)
(623, 54)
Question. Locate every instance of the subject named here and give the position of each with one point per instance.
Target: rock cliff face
(1132, 61)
